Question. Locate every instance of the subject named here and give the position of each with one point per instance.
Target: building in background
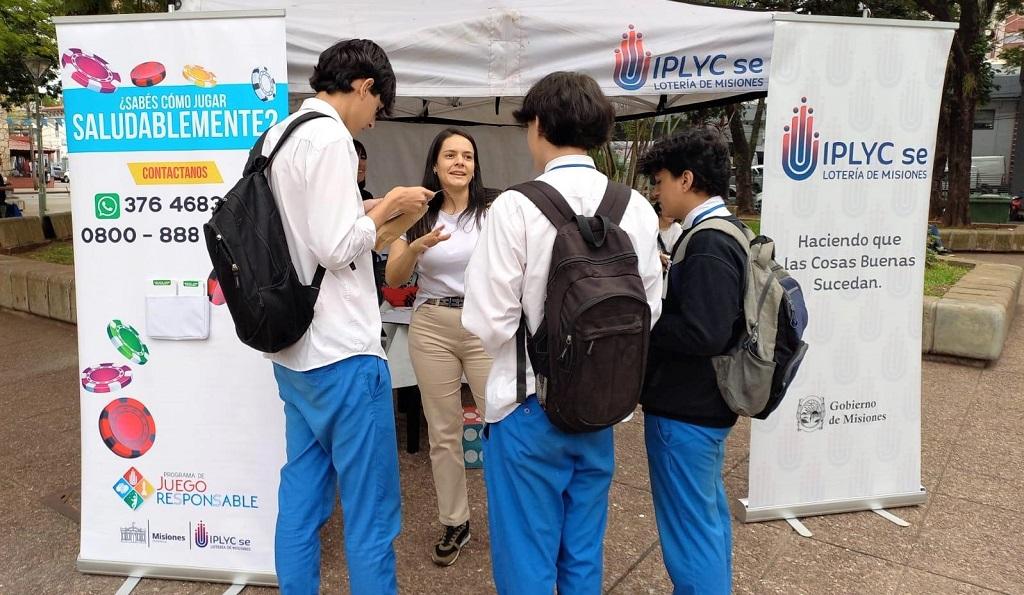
(20, 153)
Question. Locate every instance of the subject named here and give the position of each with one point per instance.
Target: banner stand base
(128, 585)
(799, 527)
(234, 578)
(747, 514)
(885, 514)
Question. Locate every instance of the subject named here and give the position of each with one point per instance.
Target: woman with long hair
(438, 248)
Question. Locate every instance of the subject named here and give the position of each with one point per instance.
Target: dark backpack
(755, 373)
(590, 351)
(271, 308)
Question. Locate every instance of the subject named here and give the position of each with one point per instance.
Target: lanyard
(700, 217)
(572, 165)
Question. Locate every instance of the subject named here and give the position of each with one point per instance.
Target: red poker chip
(148, 74)
(127, 428)
(90, 71)
(106, 378)
(213, 290)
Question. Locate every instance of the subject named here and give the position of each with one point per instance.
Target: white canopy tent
(470, 63)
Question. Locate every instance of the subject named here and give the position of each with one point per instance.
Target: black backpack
(271, 308)
(590, 351)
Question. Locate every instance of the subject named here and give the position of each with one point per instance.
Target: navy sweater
(702, 316)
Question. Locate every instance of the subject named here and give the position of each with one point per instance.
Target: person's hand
(665, 261)
(371, 203)
(407, 199)
(425, 242)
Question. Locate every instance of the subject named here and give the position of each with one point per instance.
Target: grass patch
(753, 224)
(938, 278)
(55, 252)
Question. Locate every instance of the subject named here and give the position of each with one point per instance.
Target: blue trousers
(690, 505)
(340, 434)
(547, 499)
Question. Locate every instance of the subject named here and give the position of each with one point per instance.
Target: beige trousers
(441, 351)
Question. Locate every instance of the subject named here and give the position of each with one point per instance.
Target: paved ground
(967, 539)
(58, 199)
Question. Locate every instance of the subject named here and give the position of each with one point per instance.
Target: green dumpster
(990, 208)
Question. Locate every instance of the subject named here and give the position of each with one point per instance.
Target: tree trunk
(755, 133)
(935, 204)
(742, 156)
(966, 72)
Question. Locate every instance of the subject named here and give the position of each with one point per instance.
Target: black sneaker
(447, 549)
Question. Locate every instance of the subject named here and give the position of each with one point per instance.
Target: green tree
(968, 82)
(25, 29)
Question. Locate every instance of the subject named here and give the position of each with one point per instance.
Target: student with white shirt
(686, 420)
(438, 248)
(547, 490)
(335, 384)
(669, 232)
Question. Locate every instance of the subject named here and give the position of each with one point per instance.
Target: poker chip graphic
(213, 290)
(127, 428)
(263, 84)
(127, 341)
(106, 378)
(199, 76)
(90, 71)
(148, 74)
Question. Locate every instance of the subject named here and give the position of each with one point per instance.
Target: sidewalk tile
(917, 582)
(973, 543)
(868, 533)
(631, 530)
(810, 566)
(991, 491)
(631, 454)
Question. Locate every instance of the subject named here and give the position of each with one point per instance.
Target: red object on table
(400, 296)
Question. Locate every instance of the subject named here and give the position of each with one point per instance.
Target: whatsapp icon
(108, 205)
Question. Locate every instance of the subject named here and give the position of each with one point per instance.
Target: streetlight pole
(38, 66)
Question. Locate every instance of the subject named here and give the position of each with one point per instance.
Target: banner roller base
(743, 512)
(184, 573)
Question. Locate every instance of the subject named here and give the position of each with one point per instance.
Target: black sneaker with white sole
(447, 549)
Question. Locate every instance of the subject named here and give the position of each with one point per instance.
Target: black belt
(448, 302)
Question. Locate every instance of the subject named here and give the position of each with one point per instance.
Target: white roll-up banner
(849, 148)
(182, 433)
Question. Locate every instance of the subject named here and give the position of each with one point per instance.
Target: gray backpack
(754, 374)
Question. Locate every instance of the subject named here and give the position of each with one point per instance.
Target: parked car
(57, 172)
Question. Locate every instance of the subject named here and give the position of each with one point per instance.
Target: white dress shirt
(313, 179)
(508, 271)
(712, 207)
(441, 270)
(669, 236)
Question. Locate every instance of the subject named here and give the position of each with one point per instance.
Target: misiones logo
(632, 62)
(800, 143)
(806, 153)
(202, 538)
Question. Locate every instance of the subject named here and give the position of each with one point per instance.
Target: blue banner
(172, 118)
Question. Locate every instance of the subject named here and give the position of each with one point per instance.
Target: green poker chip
(127, 341)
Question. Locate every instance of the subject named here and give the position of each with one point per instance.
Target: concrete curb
(61, 223)
(40, 288)
(21, 233)
(984, 240)
(973, 318)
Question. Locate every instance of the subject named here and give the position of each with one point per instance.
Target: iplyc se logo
(632, 63)
(202, 538)
(800, 143)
